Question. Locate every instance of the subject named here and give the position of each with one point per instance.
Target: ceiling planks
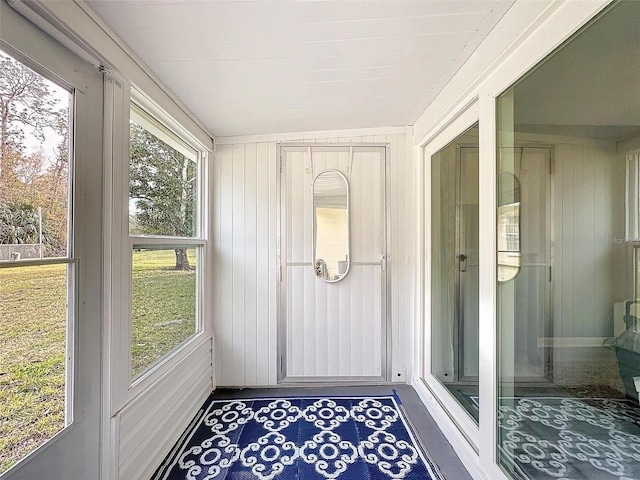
(249, 68)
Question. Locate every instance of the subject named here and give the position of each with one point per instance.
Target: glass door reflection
(454, 269)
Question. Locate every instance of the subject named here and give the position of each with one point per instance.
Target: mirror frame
(315, 226)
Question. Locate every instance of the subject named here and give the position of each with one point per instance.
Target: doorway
(333, 322)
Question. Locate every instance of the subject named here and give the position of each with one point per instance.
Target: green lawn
(33, 337)
(163, 306)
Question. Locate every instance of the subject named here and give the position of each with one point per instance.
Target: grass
(33, 340)
(164, 303)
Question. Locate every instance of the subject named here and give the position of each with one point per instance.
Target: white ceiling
(289, 66)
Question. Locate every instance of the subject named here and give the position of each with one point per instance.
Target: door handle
(463, 258)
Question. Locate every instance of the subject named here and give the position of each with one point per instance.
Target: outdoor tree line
(163, 186)
(31, 179)
(162, 180)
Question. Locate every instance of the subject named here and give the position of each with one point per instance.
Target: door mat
(299, 438)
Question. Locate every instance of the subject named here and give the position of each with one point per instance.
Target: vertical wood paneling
(216, 210)
(238, 256)
(250, 265)
(225, 370)
(263, 258)
(587, 261)
(272, 359)
(246, 269)
(396, 245)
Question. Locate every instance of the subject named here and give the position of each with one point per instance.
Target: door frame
(281, 270)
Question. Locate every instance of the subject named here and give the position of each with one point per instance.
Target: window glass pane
(568, 320)
(34, 222)
(34, 164)
(164, 308)
(454, 269)
(163, 185)
(33, 326)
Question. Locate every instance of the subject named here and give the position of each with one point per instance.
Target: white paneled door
(333, 331)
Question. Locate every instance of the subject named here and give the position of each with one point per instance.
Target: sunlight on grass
(33, 340)
(164, 306)
(33, 317)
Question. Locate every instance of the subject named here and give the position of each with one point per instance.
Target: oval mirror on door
(331, 226)
(509, 260)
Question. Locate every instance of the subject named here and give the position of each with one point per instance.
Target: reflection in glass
(568, 328)
(508, 226)
(331, 225)
(164, 311)
(454, 268)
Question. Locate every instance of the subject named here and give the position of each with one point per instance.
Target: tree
(25, 100)
(20, 224)
(163, 187)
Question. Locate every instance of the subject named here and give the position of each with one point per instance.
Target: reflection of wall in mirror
(331, 238)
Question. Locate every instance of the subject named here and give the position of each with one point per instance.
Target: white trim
(459, 122)
(159, 122)
(550, 30)
(77, 18)
(158, 372)
(572, 342)
(487, 291)
(38, 17)
(461, 446)
(147, 121)
(301, 136)
(160, 242)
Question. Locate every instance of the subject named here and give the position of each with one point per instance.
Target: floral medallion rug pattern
(301, 438)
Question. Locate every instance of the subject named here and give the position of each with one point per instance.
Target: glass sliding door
(567, 237)
(454, 268)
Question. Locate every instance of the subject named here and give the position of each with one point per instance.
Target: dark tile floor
(439, 449)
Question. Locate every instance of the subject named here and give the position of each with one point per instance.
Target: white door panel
(333, 330)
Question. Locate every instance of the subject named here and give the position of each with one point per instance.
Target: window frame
(465, 118)
(75, 446)
(162, 125)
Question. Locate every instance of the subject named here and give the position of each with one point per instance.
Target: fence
(21, 251)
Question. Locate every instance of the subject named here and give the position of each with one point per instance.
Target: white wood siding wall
(147, 428)
(590, 269)
(245, 262)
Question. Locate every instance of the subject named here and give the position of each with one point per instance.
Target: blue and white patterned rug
(300, 438)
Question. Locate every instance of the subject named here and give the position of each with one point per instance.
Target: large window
(568, 316)
(166, 240)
